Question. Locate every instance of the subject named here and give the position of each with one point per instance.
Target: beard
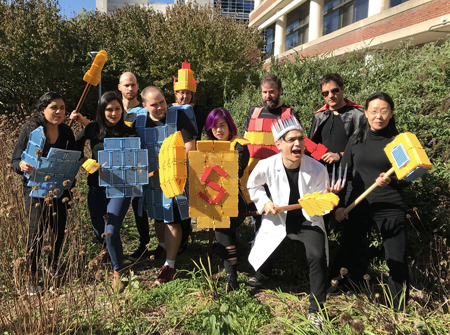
(271, 104)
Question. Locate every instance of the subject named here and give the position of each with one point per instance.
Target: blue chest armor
(157, 205)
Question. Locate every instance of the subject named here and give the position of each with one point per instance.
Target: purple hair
(212, 119)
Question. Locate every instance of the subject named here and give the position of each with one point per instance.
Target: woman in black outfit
(107, 214)
(50, 112)
(220, 126)
(384, 206)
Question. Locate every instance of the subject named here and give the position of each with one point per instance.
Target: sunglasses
(333, 91)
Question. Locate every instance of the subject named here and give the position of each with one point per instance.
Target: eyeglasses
(383, 113)
(333, 91)
(184, 93)
(293, 139)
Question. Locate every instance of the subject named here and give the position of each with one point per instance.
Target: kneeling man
(289, 175)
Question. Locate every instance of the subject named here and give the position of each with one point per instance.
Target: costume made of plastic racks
(157, 205)
(40, 213)
(260, 136)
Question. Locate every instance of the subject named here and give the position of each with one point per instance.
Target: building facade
(108, 6)
(240, 9)
(313, 27)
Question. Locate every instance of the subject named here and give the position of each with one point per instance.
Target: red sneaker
(155, 253)
(166, 275)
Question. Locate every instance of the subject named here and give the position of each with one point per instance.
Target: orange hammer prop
(92, 77)
(409, 161)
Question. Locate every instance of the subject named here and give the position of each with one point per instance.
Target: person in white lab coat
(289, 175)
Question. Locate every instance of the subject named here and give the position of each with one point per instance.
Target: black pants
(314, 240)
(141, 223)
(42, 218)
(391, 223)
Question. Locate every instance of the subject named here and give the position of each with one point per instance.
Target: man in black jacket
(336, 121)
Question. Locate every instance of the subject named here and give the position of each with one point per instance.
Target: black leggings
(392, 225)
(314, 240)
(43, 217)
(141, 223)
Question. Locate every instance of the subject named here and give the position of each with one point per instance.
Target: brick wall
(261, 10)
(401, 20)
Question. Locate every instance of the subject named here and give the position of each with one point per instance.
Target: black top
(200, 116)
(268, 114)
(184, 125)
(244, 157)
(332, 134)
(90, 132)
(65, 141)
(295, 218)
(130, 117)
(367, 160)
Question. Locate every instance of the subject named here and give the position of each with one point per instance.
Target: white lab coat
(312, 177)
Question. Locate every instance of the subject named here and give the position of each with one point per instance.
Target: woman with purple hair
(220, 126)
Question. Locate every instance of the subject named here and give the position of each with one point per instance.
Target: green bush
(41, 50)
(418, 79)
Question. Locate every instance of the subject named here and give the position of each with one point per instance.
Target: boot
(231, 284)
(102, 257)
(118, 286)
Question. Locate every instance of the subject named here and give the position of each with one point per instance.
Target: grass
(82, 302)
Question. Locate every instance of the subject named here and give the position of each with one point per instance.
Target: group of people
(280, 173)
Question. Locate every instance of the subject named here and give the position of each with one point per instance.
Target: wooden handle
(80, 102)
(278, 209)
(153, 173)
(366, 192)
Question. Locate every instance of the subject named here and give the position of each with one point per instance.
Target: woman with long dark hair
(107, 214)
(50, 112)
(220, 126)
(385, 206)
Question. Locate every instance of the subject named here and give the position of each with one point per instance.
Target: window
(393, 3)
(240, 8)
(268, 35)
(340, 13)
(297, 26)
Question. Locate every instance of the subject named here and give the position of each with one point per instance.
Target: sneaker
(155, 253)
(138, 254)
(231, 284)
(257, 279)
(316, 321)
(166, 275)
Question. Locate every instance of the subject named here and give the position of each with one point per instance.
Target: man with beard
(259, 122)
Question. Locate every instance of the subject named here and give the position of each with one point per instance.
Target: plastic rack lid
(123, 167)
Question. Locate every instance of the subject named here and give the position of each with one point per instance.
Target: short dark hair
(336, 77)
(146, 90)
(271, 78)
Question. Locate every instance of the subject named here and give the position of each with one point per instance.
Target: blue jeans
(115, 208)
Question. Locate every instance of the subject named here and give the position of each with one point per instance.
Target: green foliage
(418, 79)
(40, 50)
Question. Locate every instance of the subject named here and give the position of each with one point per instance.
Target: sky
(68, 7)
